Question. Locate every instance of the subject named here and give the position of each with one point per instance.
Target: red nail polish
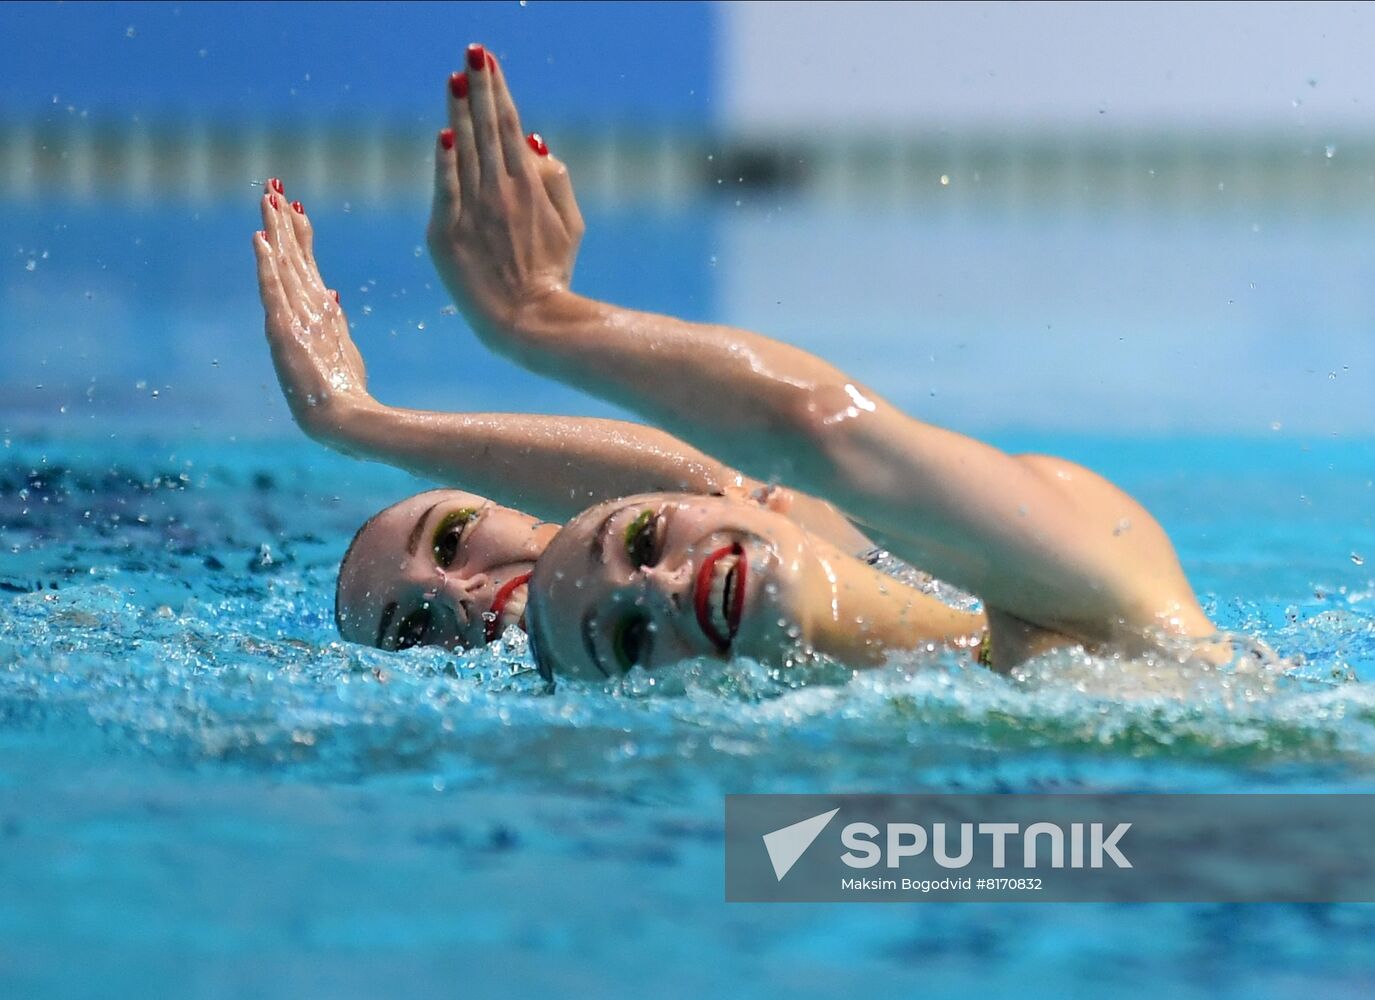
(491, 63)
(536, 142)
(300, 209)
(458, 85)
(446, 138)
(477, 57)
(336, 296)
(276, 185)
(272, 200)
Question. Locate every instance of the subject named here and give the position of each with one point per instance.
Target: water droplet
(32, 265)
(1358, 559)
(129, 32)
(417, 251)
(1330, 150)
(945, 180)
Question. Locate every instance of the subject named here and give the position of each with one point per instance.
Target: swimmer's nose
(460, 583)
(673, 584)
(461, 594)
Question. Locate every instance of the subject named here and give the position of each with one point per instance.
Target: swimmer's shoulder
(1064, 472)
(1127, 548)
(1092, 493)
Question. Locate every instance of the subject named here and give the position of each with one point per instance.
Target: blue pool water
(203, 793)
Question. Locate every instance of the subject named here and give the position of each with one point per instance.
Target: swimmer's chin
(773, 624)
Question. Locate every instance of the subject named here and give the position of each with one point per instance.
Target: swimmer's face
(649, 581)
(435, 568)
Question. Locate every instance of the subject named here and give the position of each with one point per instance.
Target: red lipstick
(702, 595)
(499, 605)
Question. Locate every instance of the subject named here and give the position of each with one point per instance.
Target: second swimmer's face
(653, 580)
(442, 568)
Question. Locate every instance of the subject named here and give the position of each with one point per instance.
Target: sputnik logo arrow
(785, 846)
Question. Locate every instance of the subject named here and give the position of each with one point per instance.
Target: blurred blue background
(1055, 216)
(238, 63)
(127, 288)
(1135, 234)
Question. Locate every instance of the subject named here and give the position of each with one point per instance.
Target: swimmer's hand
(320, 370)
(504, 226)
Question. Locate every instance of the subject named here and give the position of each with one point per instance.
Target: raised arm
(1040, 539)
(551, 466)
(1044, 540)
(504, 231)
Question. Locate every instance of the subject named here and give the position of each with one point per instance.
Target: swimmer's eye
(642, 539)
(634, 636)
(449, 535)
(414, 629)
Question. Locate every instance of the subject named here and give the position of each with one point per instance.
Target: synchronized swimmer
(666, 553)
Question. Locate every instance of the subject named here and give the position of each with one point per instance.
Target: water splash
(185, 611)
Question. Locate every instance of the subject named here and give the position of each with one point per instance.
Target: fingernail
(272, 200)
(477, 57)
(491, 63)
(458, 85)
(263, 234)
(276, 185)
(446, 138)
(536, 142)
(300, 209)
(336, 296)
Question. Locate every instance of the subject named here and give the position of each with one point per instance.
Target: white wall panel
(1120, 64)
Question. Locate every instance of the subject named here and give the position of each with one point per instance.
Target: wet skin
(657, 579)
(1057, 554)
(435, 568)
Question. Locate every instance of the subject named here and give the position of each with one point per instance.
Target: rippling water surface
(203, 785)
